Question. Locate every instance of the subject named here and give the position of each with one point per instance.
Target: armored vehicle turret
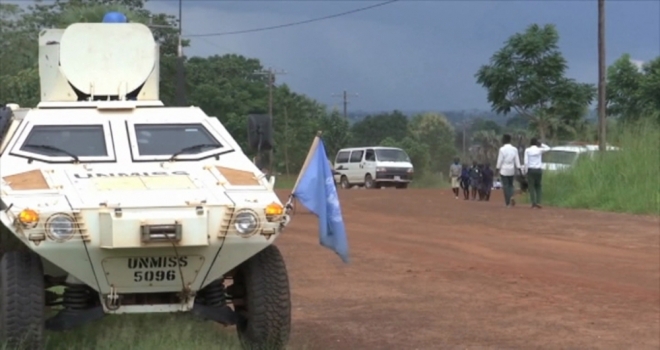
(129, 205)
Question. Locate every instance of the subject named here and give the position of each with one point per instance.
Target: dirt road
(431, 272)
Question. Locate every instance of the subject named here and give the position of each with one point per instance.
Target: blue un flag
(316, 191)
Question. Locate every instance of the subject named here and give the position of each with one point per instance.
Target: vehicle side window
(370, 156)
(342, 157)
(356, 156)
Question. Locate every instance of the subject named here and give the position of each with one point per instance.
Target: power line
(293, 23)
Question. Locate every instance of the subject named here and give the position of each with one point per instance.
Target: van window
(559, 157)
(356, 156)
(342, 157)
(392, 155)
(370, 156)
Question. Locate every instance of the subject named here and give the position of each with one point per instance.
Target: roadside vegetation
(146, 332)
(624, 181)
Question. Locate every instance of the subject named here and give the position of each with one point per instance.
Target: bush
(624, 181)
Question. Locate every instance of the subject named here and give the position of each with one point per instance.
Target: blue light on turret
(115, 17)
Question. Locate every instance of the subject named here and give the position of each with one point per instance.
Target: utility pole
(345, 98)
(602, 83)
(270, 73)
(464, 125)
(180, 74)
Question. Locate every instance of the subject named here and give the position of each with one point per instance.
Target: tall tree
(632, 93)
(435, 131)
(527, 76)
(374, 128)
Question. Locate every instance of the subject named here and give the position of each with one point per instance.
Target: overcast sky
(410, 55)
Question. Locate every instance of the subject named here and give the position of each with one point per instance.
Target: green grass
(429, 180)
(626, 181)
(145, 332)
(283, 182)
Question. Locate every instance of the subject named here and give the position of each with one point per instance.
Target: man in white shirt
(534, 170)
(507, 163)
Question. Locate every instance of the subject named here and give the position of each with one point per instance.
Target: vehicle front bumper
(394, 175)
(108, 252)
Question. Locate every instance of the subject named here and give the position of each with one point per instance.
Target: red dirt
(428, 271)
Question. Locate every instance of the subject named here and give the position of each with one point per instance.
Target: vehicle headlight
(60, 227)
(246, 223)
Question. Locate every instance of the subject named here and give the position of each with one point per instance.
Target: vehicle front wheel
(22, 300)
(369, 182)
(263, 303)
(344, 182)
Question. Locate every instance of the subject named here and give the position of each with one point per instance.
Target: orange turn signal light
(274, 209)
(28, 217)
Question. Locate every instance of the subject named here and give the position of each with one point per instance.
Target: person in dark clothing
(480, 188)
(465, 181)
(475, 176)
(487, 181)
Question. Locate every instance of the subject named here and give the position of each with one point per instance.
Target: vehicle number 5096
(158, 275)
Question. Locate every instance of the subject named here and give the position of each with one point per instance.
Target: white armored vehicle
(128, 206)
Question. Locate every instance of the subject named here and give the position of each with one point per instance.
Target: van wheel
(344, 182)
(264, 301)
(369, 182)
(22, 300)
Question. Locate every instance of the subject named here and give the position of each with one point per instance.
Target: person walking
(487, 178)
(507, 163)
(533, 168)
(455, 173)
(475, 177)
(465, 181)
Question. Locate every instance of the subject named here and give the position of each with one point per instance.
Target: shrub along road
(430, 272)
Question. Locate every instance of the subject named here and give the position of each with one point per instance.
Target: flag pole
(289, 204)
(315, 144)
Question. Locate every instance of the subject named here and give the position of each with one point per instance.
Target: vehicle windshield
(392, 155)
(560, 157)
(66, 140)
(166, 140)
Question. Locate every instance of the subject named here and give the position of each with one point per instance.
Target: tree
(374, 128)
(486, 145)
(527, 76)
(417, 151)
(632, 94)
(434, 131)
(480, 124)
(335, 131)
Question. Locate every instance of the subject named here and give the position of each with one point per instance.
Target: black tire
(265, 317)
(343, 182)
(22, 300)
(369, 182)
